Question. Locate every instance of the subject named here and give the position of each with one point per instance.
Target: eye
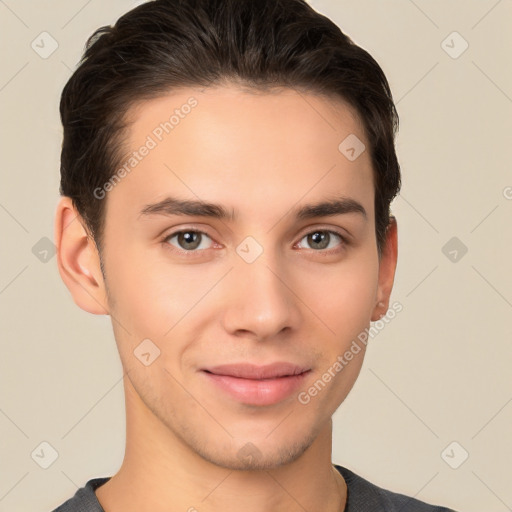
(188, 240)
(322, 239)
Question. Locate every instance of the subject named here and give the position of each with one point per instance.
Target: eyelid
(332, 229)
(183, 228)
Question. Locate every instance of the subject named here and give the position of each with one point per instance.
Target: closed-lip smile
(258, 385)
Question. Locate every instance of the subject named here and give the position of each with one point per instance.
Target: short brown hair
(166, 44)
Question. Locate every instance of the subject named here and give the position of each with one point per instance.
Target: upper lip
(251, 371)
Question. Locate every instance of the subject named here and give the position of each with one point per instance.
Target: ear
(387, 266)
(78, 260)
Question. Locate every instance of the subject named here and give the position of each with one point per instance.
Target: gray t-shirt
(362, 496)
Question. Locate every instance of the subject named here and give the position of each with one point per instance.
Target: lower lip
(258, 392)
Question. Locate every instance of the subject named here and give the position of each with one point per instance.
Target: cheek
(150, 295)
(343, 298)
(343, 295)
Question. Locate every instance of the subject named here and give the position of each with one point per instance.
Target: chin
(255, 455)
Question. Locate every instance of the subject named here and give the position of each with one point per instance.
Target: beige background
(438, 373)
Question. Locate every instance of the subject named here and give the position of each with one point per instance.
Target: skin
(260, 155)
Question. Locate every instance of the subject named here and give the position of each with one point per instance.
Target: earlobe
(78, 260)
(387, 267)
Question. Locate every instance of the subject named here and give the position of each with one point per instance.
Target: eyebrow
(174, 206)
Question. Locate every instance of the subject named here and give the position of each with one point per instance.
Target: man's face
(254, 288)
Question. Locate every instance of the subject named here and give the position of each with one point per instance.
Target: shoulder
(364, 496)
(84, 499)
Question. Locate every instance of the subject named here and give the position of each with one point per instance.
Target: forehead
(252, 151)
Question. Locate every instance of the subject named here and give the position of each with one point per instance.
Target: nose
(259, 301)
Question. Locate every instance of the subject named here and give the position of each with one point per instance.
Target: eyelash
(197, 252)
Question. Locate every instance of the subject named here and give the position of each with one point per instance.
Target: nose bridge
(258, 300)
